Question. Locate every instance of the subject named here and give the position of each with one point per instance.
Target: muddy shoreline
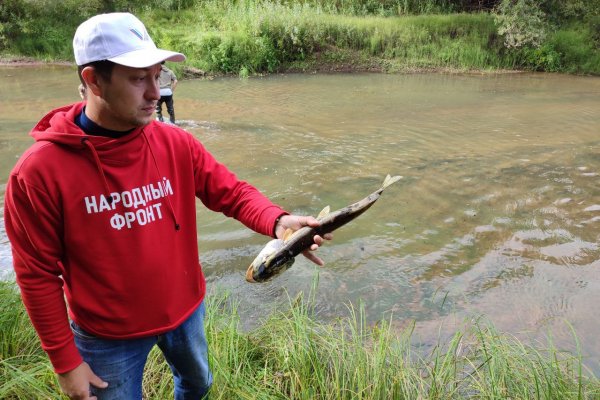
(29, 62)
(311, 68)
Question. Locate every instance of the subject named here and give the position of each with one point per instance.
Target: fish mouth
(249, 274)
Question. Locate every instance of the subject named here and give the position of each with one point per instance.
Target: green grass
(292, 355)
(268, 37)
(262, 36)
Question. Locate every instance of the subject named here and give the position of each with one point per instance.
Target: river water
(498, 213)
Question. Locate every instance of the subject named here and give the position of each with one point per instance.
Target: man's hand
(295, 222)
(76, 383)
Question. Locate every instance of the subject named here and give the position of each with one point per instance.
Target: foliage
(40, 27)
(560, 11)
(246, 37)
(521, 23)
(567, 50)
(578, 53)
(594, 26)
(543, 58)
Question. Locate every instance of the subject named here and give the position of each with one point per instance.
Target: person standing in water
(168, 82)
(101, 212)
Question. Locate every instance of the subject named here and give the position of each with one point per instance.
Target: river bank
(293, 356)
(19, 61)
(316, 64)
(258, 37)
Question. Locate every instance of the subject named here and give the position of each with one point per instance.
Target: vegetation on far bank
(262, 36)
(293, 356)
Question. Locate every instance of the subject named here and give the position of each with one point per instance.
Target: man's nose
(153, 90)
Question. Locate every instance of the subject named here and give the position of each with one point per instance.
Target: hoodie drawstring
(170, 206)
(86, 141)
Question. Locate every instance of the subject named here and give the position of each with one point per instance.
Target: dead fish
(279, 254)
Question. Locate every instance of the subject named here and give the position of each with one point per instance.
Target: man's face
(129, 99)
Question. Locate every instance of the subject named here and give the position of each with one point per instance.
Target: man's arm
(220, 190)
(173, 79)
(34, 230)
(34, 227)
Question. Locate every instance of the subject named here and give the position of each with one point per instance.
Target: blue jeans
(121, 362)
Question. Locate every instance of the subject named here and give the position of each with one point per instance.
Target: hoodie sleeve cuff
(65, 358)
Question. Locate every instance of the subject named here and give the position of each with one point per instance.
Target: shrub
(575, 48)
(560, 11)
(544, 58)
(521, 23)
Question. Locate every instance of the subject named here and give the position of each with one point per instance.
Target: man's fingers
(309, 221)
(96, 381)
(319, 240)
(312, 257)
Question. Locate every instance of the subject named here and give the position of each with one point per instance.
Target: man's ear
(92, 80)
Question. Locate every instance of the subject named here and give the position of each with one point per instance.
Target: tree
(521, 23)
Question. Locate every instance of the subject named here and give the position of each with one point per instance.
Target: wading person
(168, 82)
(101, 210)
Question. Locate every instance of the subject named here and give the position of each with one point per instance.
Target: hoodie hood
(58, 126)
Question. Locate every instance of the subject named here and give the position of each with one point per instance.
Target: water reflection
(498, 213)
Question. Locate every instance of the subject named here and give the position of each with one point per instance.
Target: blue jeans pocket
(80, 333)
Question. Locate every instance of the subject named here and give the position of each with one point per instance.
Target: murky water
(498, 213)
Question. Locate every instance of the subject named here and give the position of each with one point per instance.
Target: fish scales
(279, 255)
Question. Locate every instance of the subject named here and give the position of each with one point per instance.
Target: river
(498, 213)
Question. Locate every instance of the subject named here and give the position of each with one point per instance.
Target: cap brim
(147, 57)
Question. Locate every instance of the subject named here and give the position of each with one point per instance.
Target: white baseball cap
(121, 38)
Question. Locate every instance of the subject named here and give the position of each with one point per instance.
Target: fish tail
(389, 180)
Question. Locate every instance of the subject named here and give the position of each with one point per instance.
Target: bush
(232, 52)
(521, 23)
(560, 11)
(576, 49)
(544, 58)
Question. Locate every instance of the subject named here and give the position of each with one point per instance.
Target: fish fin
(287, 234)
(324, 212)
(389, 180)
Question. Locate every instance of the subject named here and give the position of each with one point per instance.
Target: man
(167, 82)
(101, 210)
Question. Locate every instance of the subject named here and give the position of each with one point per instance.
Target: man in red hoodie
(101, 211)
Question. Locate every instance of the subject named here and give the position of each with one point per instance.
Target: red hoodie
(129, 267)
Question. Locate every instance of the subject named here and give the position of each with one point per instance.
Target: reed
(291, 355)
